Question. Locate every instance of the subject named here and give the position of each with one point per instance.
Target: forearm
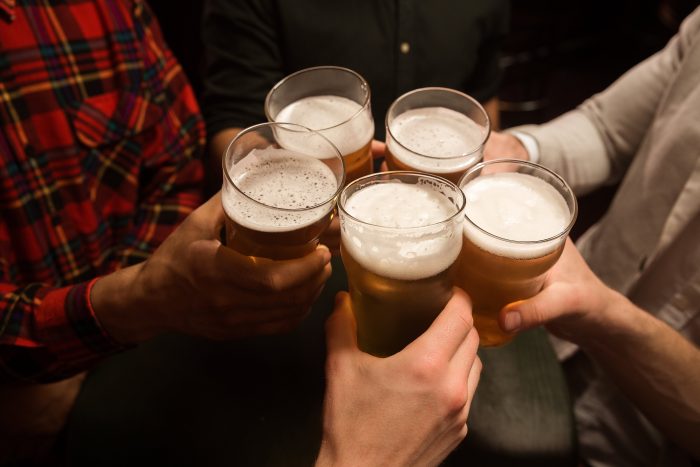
(572, 146)
(654, 366)
(595, 143)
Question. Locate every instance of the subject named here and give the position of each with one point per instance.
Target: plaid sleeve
(49, 333)
(100, 143)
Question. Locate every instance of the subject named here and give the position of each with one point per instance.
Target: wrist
(122, 306)
(606, 325)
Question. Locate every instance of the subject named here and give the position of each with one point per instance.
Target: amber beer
(518, 215)
(334, 101)
(400, 242)
(278, 201)
(435, 130)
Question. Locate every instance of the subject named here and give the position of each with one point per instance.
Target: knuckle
(427, 370)
(455, 398)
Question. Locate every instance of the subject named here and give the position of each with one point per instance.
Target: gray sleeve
(595, 143)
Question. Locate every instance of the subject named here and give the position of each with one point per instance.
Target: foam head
(451, 140)
(516, 207)
(404, 233)
(302, 186)
(325, 113)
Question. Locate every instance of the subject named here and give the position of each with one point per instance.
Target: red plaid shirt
(100, 136)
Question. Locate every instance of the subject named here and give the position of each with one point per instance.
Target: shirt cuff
(70, 328)
(530, 144)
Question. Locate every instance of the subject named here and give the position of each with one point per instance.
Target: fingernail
(513, 321)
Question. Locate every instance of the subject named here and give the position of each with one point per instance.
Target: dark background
(556, 55)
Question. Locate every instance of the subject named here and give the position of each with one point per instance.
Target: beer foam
(278, 178)
(421, 251)
(324, 113)
(440, 133)
(518, 207)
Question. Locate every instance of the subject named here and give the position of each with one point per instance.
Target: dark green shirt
(397, 45)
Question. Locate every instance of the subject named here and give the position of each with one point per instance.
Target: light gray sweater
(645, 131)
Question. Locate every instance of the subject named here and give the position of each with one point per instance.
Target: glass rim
(303, 129)
(572, 213)
(446, 90)
(460, 210)
(363, 84)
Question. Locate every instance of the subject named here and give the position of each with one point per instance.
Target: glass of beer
(436, 130)
(517, 217)
(281, 182)
(401, 234)
(334, 101)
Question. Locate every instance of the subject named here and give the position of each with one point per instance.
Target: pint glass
(334, 101)
(280, 186)
(436, 130)
(401, 234)
(517, 217)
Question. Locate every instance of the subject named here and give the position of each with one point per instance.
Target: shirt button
(405, 48)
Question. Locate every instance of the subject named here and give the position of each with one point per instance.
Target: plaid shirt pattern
(100, 139)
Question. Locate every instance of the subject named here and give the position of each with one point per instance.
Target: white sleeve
(529, 143)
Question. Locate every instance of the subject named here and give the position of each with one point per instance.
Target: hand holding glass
(518, 216)
(401, 234)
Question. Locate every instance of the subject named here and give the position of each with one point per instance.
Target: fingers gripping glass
(401, 234)
(517, 218)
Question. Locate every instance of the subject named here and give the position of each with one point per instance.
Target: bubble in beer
(437, 132)
(278, 178)
(429, 250)
(516, 207)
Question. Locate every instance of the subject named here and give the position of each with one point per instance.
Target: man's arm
(651, 363)
(594, 144)
(407, 409)
(191, 284)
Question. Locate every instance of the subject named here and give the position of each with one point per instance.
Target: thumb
(341, 328)
(551, 303)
